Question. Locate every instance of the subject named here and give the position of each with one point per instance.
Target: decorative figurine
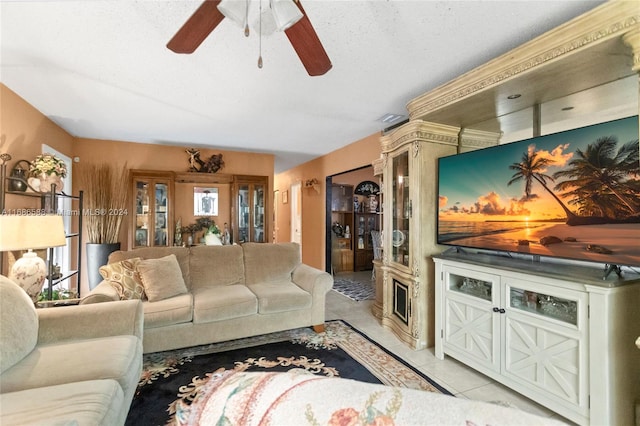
(226, 235)
(373, 203)
(212, 165)
(178, 237)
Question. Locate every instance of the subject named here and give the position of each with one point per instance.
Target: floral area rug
(172, 380)
(354, 290)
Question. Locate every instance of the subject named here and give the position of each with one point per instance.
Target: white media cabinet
(559, 334)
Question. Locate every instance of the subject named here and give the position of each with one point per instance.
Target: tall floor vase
(98, 255)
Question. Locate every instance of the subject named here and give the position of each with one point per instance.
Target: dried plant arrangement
(105, 200)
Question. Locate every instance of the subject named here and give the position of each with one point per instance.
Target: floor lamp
(30, 232)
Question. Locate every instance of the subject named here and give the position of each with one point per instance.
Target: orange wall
(166, 157)
(23, 130)
(357, 154)
(183, 197)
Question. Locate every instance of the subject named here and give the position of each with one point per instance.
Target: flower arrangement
(213, 229)
(48, 164)
(201, 223)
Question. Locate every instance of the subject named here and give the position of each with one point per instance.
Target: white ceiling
(100, 69)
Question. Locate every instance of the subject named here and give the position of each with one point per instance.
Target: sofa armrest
(317, 283)
(312, 280)
(89, 321)
(103, 292)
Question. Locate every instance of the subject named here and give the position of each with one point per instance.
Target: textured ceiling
(100, 69)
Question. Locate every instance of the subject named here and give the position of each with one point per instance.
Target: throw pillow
(124, 278)
(161, 278)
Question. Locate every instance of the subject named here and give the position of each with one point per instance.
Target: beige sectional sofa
(228, 292)
(67, 365)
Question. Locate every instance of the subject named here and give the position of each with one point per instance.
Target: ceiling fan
(301, 34)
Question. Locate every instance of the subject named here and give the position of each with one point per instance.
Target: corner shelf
(49, 204)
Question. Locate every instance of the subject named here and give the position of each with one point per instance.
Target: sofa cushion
(161, 278)
(221, 303)
(216, 266)
(123, 276)
(117, 357)
(270, 262)
(18, 324)
(182, 254)
(281, 296)
(92, 402)
(174, 310)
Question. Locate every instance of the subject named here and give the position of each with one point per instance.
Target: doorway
(341, 247)
(296, 212)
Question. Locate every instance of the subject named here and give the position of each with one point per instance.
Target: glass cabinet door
(153, 212)
(250, 211)
(161, 236)
(258, 216)
(400, 210)
(143, 216)
(544, 304)
(243, 213)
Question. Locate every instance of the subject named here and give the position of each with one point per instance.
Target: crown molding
(611, 20)
(418, 131)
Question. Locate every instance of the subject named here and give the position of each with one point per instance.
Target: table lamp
(26, 232)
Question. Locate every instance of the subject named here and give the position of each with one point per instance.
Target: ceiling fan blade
(197, 28)
(307, 45)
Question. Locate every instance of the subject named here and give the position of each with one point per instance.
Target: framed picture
(141, 237)
(285, 197)
(205, 201)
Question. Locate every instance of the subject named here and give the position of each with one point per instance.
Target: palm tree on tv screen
(530, 168)
(600, 178)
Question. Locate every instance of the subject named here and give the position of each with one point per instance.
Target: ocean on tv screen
(572, 195)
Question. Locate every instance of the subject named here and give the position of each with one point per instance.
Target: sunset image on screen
(581, 186)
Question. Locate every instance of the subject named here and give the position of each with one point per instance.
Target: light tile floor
(456, 377)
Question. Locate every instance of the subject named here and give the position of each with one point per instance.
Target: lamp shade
(22, 232)
(264, 23)
(285, 13)
(236, 10)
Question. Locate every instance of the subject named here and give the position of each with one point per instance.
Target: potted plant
(105, 201)
(212, 235)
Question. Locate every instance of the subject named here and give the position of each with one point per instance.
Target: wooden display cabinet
(363, 242)
(152, 198)
(410, 156)
(342, 228)
(250, 210)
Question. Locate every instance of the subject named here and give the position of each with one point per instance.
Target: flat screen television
(572, 195)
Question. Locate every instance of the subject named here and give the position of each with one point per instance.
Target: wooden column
(632, 39)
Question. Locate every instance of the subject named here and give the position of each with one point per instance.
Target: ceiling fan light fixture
(265, 24)
(235, 10)
(285, 13)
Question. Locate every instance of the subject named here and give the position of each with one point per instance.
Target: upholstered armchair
(67, 365)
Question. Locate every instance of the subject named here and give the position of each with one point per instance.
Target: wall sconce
(314, 184)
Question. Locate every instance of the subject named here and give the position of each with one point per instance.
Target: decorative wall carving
(632, 39)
